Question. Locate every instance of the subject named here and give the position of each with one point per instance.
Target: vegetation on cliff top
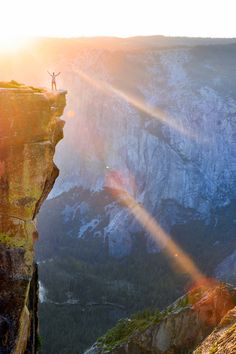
(15, 84)
(137, 323)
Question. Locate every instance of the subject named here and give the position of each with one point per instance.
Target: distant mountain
(158, 115)
(161, 117)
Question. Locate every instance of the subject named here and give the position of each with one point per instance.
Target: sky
(121, 18)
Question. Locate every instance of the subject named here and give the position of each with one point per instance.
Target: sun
(12, 43)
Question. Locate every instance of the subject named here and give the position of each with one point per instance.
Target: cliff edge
(205, 311)
(30, 128)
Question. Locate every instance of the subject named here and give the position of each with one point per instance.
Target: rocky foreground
(205, 312)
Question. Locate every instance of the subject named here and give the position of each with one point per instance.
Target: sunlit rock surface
(222, 339)
(29, 131)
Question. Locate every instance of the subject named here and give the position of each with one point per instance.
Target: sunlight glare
(12, 43)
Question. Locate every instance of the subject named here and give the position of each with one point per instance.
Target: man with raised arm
(53, 75)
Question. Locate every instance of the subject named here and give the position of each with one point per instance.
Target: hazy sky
(73, 18)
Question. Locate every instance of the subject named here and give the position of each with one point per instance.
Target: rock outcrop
(179, 329)
(29, 131)
(223, 339)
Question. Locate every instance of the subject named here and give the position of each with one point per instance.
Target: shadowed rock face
(29, 131)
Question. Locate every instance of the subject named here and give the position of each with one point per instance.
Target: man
(53, 75)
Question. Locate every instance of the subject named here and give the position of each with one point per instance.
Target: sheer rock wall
(30, 128)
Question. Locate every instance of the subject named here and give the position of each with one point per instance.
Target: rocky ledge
(223, 339)
(178, 329)
(30, 128)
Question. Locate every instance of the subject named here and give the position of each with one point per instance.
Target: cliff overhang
(30, 128)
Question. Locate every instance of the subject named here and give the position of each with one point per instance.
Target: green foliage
(226, 320)
(181, 303)
(123, 330)
(15, 84)
(231, 330)
(138, 322)
(12, 241)
(39, 342)
(213, 349)
(118, 334)
(10, 84)
(36, 89)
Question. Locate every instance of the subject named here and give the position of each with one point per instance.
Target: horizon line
(127, 37)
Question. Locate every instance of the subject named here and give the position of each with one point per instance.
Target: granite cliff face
(164, 120)
(29, 131)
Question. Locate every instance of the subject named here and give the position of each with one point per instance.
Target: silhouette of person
(53, 75)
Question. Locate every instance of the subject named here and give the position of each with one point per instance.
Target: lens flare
(211, 300)
(139, 104)
(172, 250)
(124, 179)
(71, 114)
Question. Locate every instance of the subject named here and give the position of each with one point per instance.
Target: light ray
(171, 248)
(139, 104)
